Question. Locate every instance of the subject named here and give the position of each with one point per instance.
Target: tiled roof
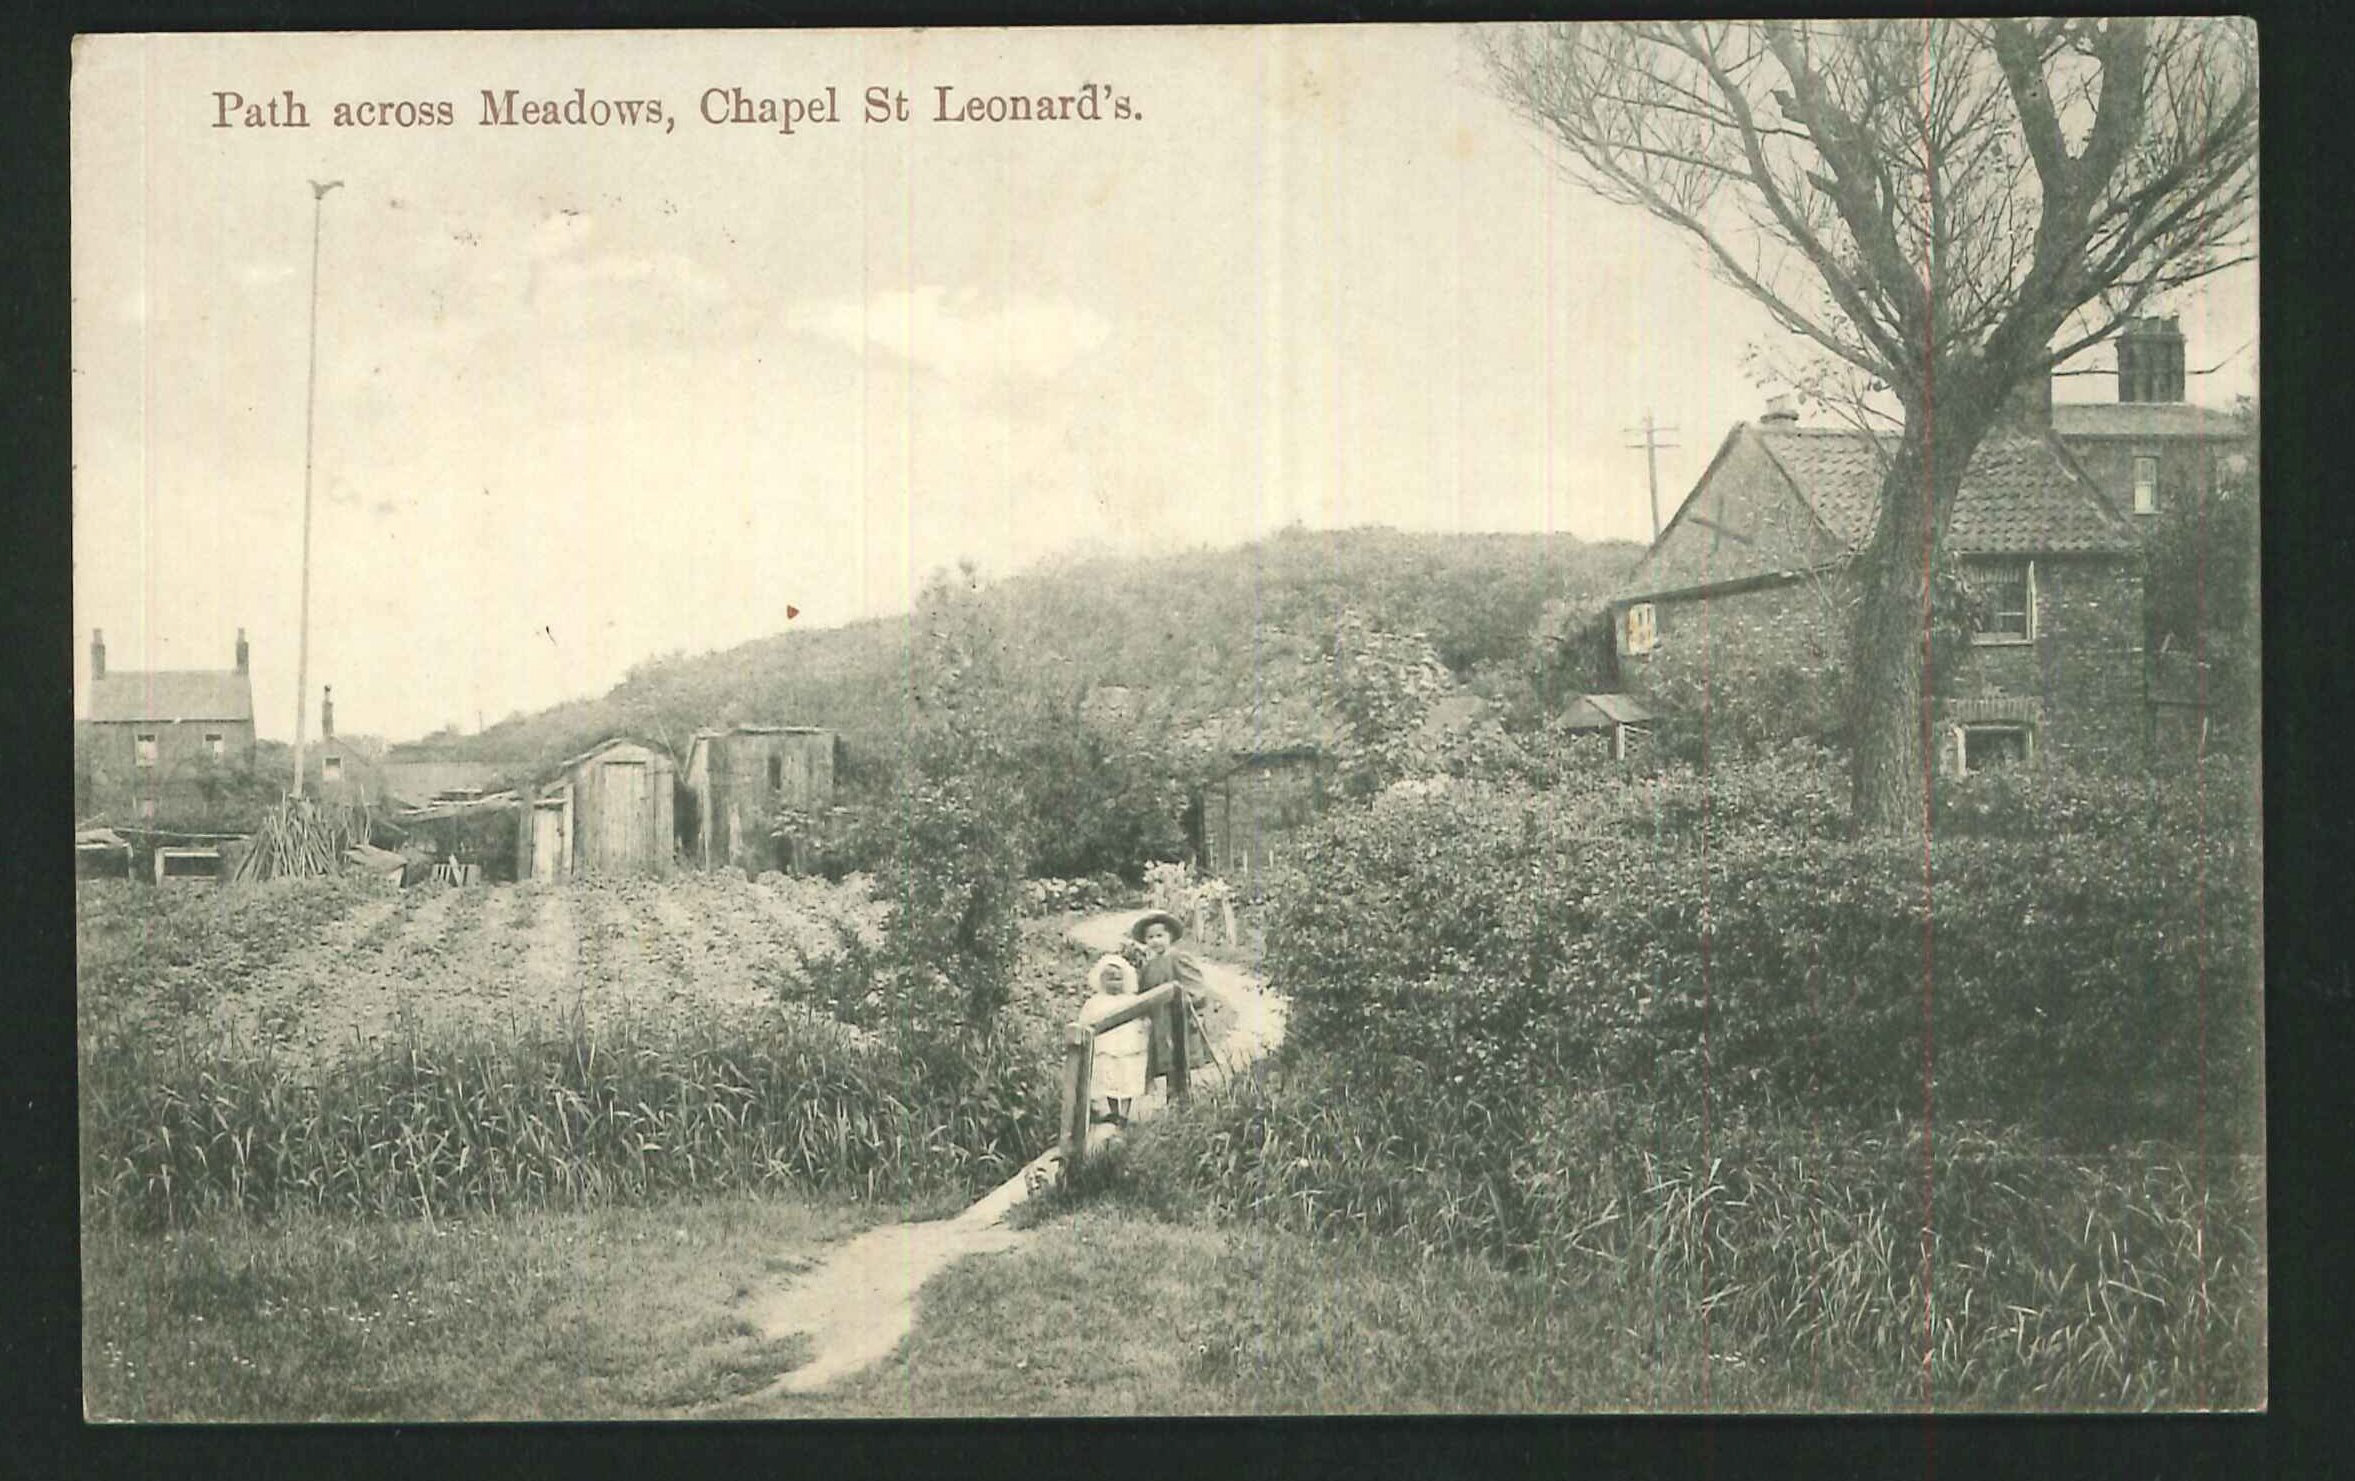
(2143, 419)
(172, 694)
(2020, 496)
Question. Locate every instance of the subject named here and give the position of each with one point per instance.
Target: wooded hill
(1225, 641)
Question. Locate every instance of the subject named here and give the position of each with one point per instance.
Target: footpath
(860, 1303)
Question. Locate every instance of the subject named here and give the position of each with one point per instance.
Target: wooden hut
(606, 811)
(740, 779)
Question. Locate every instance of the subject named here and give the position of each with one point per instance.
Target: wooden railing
(1080, 1056)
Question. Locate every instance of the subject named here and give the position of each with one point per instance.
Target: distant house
(160, 742)
(342, 768)
(2150, 450)
(1756, 572)
(737, 782)
(605, 812)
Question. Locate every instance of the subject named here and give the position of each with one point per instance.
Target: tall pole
(1651, 446)
(302, 649)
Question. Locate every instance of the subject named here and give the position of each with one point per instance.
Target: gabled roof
(1783, 499)
(1594, 711)
(2144, 419)
(172, 694)
(599, 749)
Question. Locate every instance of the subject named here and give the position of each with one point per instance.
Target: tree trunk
(1892, 755)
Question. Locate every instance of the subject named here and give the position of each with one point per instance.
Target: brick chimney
(97, 653)
(2150, 360)
(1779, 412)
(327, 713)
(244, 656)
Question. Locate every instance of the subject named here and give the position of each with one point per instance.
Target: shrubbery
(1712, 935)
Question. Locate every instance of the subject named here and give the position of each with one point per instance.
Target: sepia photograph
(1184, 721)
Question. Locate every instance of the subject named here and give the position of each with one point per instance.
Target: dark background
(2308, 360)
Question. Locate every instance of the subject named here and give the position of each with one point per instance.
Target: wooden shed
(606, 812)
(740, 779)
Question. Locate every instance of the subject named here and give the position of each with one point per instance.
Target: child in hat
(1157, 931)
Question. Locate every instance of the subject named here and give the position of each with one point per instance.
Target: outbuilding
(605, 812)
(740, 780)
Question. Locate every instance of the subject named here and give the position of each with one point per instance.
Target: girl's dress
(1119, 1071)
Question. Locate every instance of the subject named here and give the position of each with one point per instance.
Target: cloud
(958, 334)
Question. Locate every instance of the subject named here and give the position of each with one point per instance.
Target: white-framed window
(2146, 483)
(143, 747)
(2009, 588)
(1641, 627)
(215, 745)
(331, 768)
(1983, 747)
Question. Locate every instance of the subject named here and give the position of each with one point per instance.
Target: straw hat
(1177, 928)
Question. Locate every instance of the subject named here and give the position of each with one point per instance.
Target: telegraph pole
(302, 651)
(1651, 446)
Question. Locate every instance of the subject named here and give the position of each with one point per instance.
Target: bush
(1497, 938)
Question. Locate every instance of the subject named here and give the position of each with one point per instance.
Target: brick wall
(2079, 682)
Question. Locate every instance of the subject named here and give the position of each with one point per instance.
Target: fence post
(1078, 1065)
(1180, 1075)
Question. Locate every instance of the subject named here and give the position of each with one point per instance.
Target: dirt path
(859, 1304)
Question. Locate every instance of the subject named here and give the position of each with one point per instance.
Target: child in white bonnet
(1118, 1077)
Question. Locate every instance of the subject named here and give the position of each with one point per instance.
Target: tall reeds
(563, 1116)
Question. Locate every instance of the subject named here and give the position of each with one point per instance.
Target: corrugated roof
(172, 694)
(2143, 419)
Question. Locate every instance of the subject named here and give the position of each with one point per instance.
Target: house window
(2146, 483)
(776, 773)
(1982, 747)
(143, 744)
(331, 768)
(214, 745)
(2010, 591)
(1642, 628)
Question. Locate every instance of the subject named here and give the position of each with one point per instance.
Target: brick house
(1750, 588)
(160, 743)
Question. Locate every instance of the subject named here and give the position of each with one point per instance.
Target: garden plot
(502, 957)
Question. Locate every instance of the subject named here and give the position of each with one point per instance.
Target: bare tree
(1944, 208)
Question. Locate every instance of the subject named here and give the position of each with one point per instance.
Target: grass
(609, 1313)
(1111, 1311)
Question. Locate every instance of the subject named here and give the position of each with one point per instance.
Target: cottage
(738, 781)
(161, 743)
(1755, 574)
(606, 811)
(343, 769)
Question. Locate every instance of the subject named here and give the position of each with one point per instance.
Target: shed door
(547, 839)
(626, 821)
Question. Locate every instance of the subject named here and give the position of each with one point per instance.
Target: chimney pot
(98, 653)
(327, 713)
(1780, 410)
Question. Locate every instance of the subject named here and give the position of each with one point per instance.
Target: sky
(586, 396)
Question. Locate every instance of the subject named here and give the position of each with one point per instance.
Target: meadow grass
(605, 1313)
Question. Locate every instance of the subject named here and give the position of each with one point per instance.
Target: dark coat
(1172, 966)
